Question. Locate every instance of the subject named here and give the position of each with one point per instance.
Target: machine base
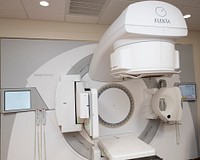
(148, 158)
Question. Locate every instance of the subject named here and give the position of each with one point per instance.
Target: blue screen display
(188, 91)
(17, 100)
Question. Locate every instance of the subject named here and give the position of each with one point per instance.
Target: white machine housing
(141, 43)
(137, 44)
(164, 103)
(79, 106)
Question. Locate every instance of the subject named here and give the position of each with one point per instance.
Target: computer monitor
(16, 100)
(188, 91)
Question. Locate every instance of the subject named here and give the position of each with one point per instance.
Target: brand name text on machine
(159, 20)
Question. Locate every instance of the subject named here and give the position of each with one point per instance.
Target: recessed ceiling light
(187, 16)
(44, 3)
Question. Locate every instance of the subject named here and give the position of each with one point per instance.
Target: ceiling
(86, 11)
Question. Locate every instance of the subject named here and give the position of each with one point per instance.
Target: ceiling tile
(11, 5)
(113, 10)
(174, 2)
(13, 14)
(193, 22)
(178, 2)
(59, 11)
(194, 3)
(55, 7)
(82, 19)
(67, 4)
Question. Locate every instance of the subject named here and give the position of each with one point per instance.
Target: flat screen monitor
(15, 100)
(188, 91)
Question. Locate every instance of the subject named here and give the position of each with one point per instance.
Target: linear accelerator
(138, 45)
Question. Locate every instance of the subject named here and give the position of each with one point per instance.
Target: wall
(18, 53)
(12, 28)
(194, 39)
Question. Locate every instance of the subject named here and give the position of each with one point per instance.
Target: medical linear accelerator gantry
(132, 47)
(137, 45)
